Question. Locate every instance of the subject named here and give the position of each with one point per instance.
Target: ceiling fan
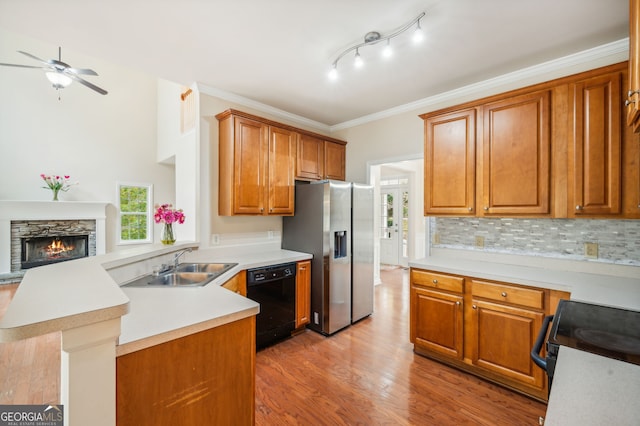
(59, 73)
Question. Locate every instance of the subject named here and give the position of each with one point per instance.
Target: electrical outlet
(591, 250)
(436, 238)
(479, 241)
(215, 239)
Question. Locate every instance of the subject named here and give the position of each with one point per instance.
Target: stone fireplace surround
(16, 211)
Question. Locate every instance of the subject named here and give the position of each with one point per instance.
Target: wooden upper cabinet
(633, 92)
(256, 167)
(516, 156)
(249, 166)
(334, 160)
(450, 163)
(310, 158)
(281, 169)
(595, 146)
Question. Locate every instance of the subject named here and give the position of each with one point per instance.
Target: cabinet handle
(628, 102)
(503, 294)
(630, 93)
(579, 207)
(474, 306)
(486, 209)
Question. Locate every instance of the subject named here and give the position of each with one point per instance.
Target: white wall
(183, 151)
(98, 140)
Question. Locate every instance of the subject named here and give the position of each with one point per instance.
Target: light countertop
(71, 294)
(616, 291)
(590, 389)
(158, 315)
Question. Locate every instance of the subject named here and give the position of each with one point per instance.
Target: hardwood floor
(29, 369)
(366, 374)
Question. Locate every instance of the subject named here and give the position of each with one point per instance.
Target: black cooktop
(603, 330)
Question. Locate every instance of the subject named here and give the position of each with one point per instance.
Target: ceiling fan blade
(86, 83)
(82, 71)
(34, 57)
(24, 66)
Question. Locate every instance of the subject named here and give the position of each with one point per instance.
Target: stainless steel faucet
(176, 257)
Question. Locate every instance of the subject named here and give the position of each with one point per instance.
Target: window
(135, 208)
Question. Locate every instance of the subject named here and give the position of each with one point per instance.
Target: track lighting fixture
(374, 37)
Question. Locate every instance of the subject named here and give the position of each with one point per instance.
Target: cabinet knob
(457, 303)
(579, 207)
(470, 209)
(474, 306)
(261, 209)
(486, 209)
(435, 281)
(503, 294)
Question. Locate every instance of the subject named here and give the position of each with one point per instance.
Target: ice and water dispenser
(339, 244)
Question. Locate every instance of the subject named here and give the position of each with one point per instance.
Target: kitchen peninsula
(104, 327)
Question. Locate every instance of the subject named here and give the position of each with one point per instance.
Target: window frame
(148, 213)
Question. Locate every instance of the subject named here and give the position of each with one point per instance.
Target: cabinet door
(502, 338)
(310, 158)
(594, 151)
(449, 164)
(516, 154)
(437, 321)
(303, 293)
(250, 163)
(281, 182)
(334, 160)
(633, 100)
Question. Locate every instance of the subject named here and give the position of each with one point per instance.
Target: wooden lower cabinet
(483, 327)
(303, 293)
(207, 378)
(238, 283)
(437, 320)
(501, 340)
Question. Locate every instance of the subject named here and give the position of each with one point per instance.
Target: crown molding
(606, 54)
(241, 100)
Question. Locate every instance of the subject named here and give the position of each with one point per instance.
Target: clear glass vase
(167, 237)
(55, 194)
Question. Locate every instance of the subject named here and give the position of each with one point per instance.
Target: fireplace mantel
(48, 210)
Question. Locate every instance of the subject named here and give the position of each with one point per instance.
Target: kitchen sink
(185, 275)
(211, 268)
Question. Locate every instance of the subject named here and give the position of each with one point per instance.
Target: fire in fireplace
(38, 251)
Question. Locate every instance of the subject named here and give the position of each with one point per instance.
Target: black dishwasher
(274, 288)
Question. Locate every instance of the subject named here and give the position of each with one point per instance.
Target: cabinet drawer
(510, 294)
(439, 281)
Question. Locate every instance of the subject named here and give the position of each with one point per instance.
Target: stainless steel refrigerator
(342, 249)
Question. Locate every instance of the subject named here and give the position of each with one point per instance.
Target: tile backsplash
(618, 240)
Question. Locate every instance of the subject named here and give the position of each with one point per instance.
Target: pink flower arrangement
(165, 213)
(57, 183)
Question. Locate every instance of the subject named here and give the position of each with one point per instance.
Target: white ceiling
(279, 52)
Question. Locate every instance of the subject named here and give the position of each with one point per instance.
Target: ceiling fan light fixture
(58, 79)
(375, 37)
